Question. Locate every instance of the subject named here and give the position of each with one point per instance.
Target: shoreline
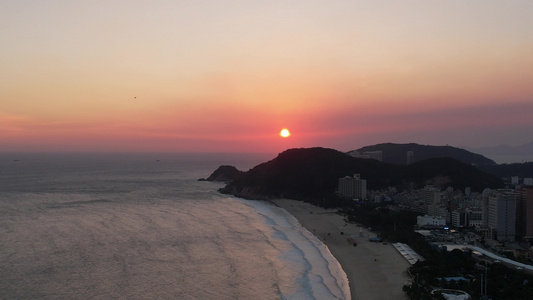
(374, 270)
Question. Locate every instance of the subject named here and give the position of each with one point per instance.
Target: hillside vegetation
(522, 170)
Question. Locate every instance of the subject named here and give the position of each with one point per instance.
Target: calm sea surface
(140, 226)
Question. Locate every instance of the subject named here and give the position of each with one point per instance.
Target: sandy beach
(375, 270)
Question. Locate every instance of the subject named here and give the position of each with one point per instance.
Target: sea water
(141, 226)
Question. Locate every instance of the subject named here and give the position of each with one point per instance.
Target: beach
(375, 270)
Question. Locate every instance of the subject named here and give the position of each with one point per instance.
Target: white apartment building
(430, 221)
(502, 214)
(352, 187)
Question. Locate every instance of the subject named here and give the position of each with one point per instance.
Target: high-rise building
(502, 214)
(430, 195)
(524, 212)
(352, 187)
(485, 195)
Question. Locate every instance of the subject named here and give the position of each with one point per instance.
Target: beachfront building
(502, 214)
(352, 187)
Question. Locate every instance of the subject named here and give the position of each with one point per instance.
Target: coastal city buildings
(495, 226)
(501, 216)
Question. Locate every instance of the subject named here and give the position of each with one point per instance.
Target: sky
(227, 76)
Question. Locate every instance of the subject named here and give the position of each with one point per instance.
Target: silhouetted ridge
(313, 173)
(397, 153)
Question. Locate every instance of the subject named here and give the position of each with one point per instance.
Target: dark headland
(313, 173)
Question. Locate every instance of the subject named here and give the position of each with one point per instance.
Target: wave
(307, 261)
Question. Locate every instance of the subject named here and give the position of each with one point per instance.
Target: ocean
(141, 226)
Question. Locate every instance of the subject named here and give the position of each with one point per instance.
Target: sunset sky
(227, 76)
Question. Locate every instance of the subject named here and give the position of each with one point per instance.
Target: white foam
(307, 261)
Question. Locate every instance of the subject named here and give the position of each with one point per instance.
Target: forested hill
(522, 170)
(397, 153)
(314, 172)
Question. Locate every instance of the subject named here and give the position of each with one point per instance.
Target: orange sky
(227, 76)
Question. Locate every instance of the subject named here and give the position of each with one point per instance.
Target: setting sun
(284, 133)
